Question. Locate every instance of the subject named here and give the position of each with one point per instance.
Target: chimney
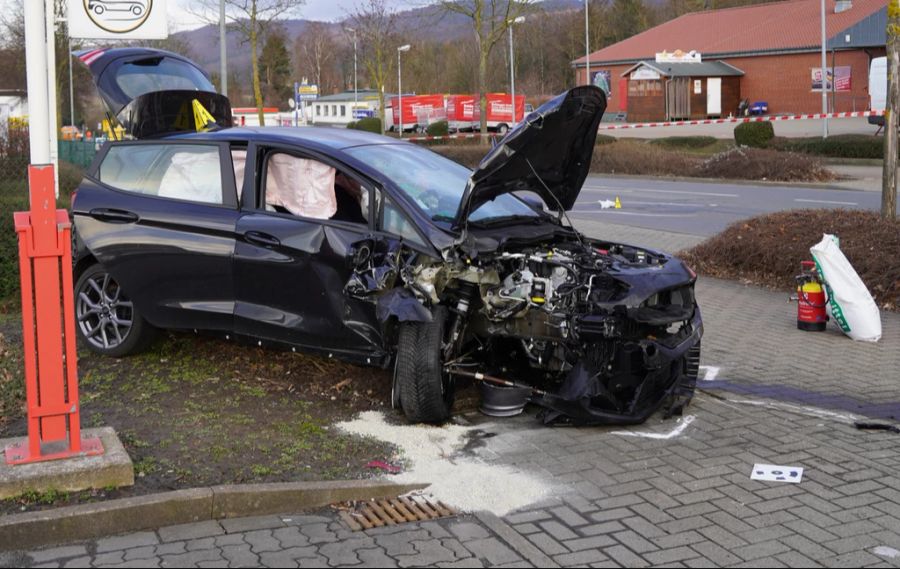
(842, 6)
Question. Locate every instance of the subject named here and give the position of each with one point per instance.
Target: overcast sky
(328, 10)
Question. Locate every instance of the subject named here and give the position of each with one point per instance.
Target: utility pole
(587, 43)
(223, 50)
(892, 113)
(824, 76)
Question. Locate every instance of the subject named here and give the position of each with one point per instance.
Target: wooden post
(892, 113)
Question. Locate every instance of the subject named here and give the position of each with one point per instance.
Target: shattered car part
(408, 259)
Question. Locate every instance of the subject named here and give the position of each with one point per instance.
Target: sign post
(44, 233)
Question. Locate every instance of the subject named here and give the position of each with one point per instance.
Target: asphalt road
(703, 208)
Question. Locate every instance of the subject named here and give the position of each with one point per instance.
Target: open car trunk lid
(150, 92)
(548, 153)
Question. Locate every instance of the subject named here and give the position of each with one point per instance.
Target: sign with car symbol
(118, 19)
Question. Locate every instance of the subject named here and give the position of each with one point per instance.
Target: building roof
(349, 97)
(776, 27)
(704, 69)
(868, 32)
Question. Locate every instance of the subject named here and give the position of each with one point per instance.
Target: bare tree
(490, 21)
(376, 26)
(252, 20)
(315, 51)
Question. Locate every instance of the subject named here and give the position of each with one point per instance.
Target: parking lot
(670, 492)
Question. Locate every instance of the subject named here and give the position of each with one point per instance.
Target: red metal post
(48, 326)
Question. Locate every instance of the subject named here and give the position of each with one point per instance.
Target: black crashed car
(376, 251)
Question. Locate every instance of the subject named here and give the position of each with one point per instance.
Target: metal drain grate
(361, 516)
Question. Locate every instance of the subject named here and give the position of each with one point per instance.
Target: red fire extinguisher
(811, 299)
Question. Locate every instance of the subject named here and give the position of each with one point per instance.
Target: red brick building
(776, 46)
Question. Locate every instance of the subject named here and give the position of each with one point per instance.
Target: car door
(294, 256)
(160, 216)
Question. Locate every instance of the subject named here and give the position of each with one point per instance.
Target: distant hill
(419, 23)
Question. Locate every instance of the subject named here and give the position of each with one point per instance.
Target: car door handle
(114, 215)
(262, 239)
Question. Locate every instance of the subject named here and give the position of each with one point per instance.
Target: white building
(338, 110)
(13, 103)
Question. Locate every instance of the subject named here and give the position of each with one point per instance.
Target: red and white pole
(45, 266)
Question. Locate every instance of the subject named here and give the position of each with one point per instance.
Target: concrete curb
(89, 521)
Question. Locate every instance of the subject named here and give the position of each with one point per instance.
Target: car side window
(312, 189)
(395, 222)
(184, 172)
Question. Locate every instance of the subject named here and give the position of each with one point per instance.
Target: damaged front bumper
(665, 371)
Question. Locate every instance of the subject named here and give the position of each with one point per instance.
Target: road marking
(711, 374)
(685, 422)
(803, 410)
(826, 202)
(672, 204)
(630, 213)
(638, 190)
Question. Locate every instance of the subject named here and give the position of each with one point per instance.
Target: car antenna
(562, 210)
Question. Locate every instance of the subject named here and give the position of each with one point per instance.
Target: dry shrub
(759, 164)
(468, 155)
(768, 249)
(640, 158)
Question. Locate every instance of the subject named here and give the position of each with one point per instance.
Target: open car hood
(548, 153)
(151, 91)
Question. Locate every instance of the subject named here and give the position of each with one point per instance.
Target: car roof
(335, 138)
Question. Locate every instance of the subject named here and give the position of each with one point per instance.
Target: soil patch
(198, 411)
(767, 250)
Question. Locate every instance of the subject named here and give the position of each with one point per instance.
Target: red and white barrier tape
(817, 116)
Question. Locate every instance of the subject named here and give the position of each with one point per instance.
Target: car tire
(503, 129)
(425, 392)
(106, 320)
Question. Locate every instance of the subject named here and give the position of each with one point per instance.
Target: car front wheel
(423, 389)
(107, 322)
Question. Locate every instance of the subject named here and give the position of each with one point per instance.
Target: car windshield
(160, 74)
(434, 182)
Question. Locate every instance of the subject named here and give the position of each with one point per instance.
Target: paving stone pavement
(661, 494)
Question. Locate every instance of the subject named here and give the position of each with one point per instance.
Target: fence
(78, 152)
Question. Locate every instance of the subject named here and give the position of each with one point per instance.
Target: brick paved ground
(624, 500)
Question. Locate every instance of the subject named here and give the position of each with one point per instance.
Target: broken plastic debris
(381, 465)
(607, 204)
(773, 473)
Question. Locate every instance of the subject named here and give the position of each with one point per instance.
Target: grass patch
(762, 164)
(837, 146)
(689, 156)
(685, 142)
(767, 250)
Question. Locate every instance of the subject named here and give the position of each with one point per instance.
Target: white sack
(849, 302)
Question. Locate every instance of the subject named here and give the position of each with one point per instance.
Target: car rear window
(174, 171)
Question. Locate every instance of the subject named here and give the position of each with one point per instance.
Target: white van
(878, 88)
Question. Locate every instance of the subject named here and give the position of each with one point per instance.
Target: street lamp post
(400, 50)
(587, 44)
(824, 76)
(512, 66)
(355, 75)
(223, 50)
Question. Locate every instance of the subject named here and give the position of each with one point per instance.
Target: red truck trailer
(419, 111)
(464, 112)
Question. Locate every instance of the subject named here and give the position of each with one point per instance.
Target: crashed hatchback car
(377, 251)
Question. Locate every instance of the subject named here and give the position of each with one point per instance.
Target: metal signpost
(44, 234)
